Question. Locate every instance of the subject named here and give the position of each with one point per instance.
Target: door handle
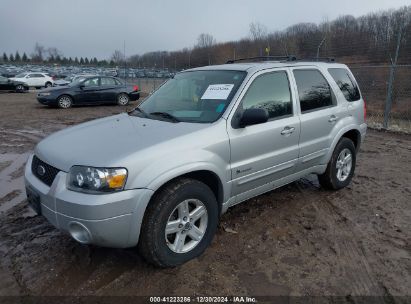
(333, 118)
(287, 130)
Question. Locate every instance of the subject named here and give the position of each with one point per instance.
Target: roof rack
(282, 58)
(261, 58)
(323, 59)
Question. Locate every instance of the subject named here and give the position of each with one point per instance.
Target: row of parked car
(61, 72)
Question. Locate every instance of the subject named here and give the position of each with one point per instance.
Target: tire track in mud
(12, 190)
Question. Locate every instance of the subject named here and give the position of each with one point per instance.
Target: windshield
(20, 75)
(198, 96)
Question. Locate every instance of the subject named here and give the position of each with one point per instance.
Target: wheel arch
(208, 177)
(351, 132)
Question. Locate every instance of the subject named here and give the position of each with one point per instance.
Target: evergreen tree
(11, 58)
(76, 60)
(24, 58)
(81, 61)
(95, 61)
(70, 60)
(17, 57)
(5, 58)
(86, 61)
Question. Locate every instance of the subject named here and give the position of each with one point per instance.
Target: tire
(64, 101)
(167, 207)
(48, 84)
(20, 88)
(123, 99)
(343, 157)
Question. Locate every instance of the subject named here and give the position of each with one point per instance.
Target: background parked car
(89, 90)
(12, 85)
(35, 79)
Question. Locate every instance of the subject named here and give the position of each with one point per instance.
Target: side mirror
(253, 117)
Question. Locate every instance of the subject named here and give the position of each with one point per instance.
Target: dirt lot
(296, 240)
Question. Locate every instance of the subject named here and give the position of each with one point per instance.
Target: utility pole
(388, 102)
(319, 46)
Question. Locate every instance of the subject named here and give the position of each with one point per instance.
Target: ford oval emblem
(41, 170)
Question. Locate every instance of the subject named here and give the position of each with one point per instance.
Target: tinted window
(91, 82)
(271, 92)
(36, 75)
(313, 90)
(346, 84)
(3, 79)
(107, 81)
(118, 82)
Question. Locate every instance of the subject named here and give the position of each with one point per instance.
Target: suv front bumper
(109, 220)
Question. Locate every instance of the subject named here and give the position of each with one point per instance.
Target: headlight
(96, 180)
(44, 94)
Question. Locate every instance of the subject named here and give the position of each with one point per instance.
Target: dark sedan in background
(12, 85)
(89, 91)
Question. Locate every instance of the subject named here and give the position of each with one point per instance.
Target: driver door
(89, 91)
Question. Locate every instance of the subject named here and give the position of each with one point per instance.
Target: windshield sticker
(220, 108)
(217, 91)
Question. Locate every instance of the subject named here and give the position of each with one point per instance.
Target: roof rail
(323, 59)
(261, 58)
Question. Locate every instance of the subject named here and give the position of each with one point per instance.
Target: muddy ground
(296, 240)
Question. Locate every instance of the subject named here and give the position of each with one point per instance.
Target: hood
(53, 89)
(109, 141)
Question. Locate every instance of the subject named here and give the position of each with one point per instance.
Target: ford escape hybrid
(160, 176)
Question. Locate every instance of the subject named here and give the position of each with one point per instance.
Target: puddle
(12, 190)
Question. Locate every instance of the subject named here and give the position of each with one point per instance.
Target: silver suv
(160, 176)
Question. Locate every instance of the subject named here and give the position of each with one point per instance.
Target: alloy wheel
(186, 226)
(344, 164)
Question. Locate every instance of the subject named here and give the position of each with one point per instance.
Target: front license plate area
(33, 200)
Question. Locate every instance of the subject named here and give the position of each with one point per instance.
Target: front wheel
(64, 102)
(341, 166)
(20, 88)
(123, 99)
(179, 223)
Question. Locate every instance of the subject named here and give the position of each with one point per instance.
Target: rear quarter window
(346, 83)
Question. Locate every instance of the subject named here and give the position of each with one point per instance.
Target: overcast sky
(96, 28)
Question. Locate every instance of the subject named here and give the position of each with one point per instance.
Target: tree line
(369, 39)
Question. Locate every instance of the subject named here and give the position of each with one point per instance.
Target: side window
(313, 90)
(105, 81)
(91, 82)
(118, 82)
(346, 84)
(270, 91)
(37, 75)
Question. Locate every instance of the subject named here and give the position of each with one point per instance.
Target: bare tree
(54, 52)
(258, 31)
(117, 57)
(205, 40)
(38, 53)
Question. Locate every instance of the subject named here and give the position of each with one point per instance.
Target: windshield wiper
(139, 110)
(166, 115)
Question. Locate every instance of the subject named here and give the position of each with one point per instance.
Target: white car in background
(35, 79)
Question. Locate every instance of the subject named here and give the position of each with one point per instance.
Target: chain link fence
(388, 98)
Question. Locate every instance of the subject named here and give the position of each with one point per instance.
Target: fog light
(79, 232)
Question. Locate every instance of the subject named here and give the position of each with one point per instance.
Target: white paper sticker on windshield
(217, 91)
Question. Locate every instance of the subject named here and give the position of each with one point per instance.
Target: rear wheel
(64, 102)
(179, 223)
(123, 99)
(341, 166)
(48, 84)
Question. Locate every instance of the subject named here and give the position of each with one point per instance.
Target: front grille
(43, 171)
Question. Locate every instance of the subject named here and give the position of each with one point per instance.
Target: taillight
(365, 110)
(135, 88)
(53, 77)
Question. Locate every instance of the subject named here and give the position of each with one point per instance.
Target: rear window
(313, 90)
(346, 83)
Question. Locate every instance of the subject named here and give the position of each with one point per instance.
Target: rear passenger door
(108, 90)
(319, 115)
(263, 153)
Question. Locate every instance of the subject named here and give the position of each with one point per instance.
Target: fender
(338, 136)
